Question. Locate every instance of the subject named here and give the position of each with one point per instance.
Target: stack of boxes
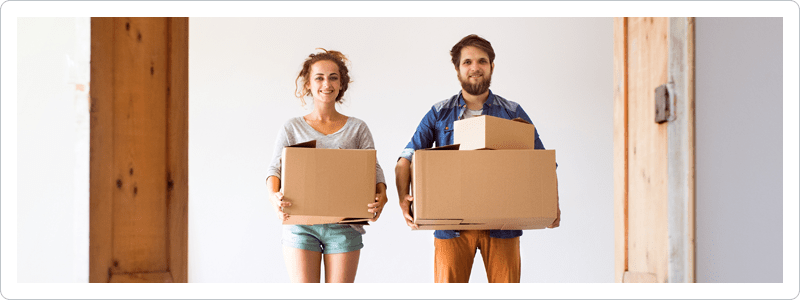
(491, 178)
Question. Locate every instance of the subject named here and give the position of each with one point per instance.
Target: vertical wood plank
(101, 185)
(681, 152)
(139, 150)
(620, 148)
(178, 155)
(647, 148)
(139, 213)
(692, 171)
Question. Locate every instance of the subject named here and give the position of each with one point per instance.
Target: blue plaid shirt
(437, 126)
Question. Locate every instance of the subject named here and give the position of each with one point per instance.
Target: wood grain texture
(647, 148)
(101, 152)
(690, 86)
(681, 153)
(639, 277)
(140, 208)
(139, 146)
(178, 148)
(620, 148)
(152, 277)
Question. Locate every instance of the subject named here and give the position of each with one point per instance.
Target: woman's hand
(376, 208)
(278, 203)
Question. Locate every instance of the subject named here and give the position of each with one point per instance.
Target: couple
(324, 76)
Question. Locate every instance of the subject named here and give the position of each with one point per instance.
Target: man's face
(475, 71)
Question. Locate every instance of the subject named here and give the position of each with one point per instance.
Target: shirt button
(446, 128)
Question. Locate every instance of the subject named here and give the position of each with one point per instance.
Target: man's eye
(318, 78)
(334, 78)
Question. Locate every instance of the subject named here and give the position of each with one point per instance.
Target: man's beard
(477, 88)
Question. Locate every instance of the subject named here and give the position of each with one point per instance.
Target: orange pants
(453, 258)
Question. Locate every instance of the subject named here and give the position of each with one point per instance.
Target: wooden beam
(647, 148)
(178, 148)
(101, 151)
(681, 150)
(139, 150)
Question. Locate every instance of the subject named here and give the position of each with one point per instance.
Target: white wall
(558, 69)
(241, 85)
(739, 140)
(53, 150)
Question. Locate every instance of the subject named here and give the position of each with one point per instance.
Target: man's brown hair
(474, 41)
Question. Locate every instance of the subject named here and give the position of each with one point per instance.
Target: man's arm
(402, 173)
(423, 138)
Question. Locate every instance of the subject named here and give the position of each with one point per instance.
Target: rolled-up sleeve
(423, 137)
(537, 144)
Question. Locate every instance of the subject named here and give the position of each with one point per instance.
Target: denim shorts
(325, 238)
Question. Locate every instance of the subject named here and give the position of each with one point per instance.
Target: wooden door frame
(107, 62)
(681, 154)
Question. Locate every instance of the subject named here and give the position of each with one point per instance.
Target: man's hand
(557, 221)
(405, 206)
(376, 208)
(278, 203)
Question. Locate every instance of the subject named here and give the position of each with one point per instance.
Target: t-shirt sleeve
(366, 142)
(274, 168)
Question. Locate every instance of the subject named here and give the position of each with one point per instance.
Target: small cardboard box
(484, 189)
(327, 185)
(487, 132)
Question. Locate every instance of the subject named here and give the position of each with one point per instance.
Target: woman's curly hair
(301, 90)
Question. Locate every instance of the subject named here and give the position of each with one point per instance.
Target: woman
(324, 77)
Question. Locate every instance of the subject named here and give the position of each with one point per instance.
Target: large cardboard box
(484, 189)
(327, 185)
(487, 132)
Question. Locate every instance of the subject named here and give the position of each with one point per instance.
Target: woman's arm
(276, 198)
(380, 201)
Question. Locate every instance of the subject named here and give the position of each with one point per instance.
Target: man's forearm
(402, 174)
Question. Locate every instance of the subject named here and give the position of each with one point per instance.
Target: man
(473, 58)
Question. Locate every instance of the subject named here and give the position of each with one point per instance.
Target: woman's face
(324, 81)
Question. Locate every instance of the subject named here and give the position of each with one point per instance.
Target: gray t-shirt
(353, 135)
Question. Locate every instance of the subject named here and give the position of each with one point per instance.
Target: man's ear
(492, 66)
